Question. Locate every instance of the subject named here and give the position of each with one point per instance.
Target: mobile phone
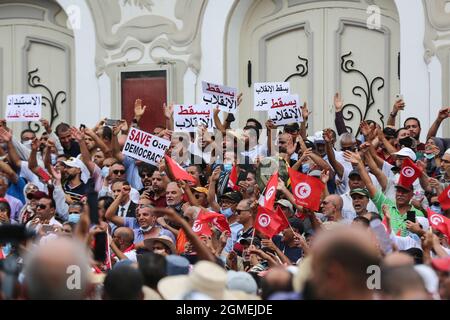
(82, 126)
(411, 216)
(398, 96)
(100, 246)
(43, 175)
(111, 122)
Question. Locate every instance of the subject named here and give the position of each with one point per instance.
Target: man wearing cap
(287, 207)
(228, 207)
(397, 208)
(77, 178)
(355, 182)
(162, 245)
(360, 199)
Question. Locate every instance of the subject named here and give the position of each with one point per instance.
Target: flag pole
(253, 236)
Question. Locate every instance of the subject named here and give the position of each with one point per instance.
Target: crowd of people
(81, 220)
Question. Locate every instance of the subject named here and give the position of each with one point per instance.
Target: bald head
(58, 269)
(125, 236)
(398, 259)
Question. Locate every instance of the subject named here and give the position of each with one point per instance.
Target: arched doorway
(36, 56)
(321, 47)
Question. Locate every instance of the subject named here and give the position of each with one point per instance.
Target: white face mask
(160, 251)
(27, 144)
(146, 229)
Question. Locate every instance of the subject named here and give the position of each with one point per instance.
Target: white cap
(447, 151)
(406, 152)
(77, 163)
(423, 222)
(318, 137)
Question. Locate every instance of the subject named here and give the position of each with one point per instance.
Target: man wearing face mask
(228, 204)
(144, 225)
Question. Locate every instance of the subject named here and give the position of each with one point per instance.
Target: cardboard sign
(188, 118)
(223, 97)
(264, 91)
(141, 145)
(285, 109)
(23, 107)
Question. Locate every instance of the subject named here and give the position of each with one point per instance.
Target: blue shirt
(16, 189)
(132, 172)
(235, 229)
(139, 234)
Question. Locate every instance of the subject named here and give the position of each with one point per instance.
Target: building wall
(192, 35)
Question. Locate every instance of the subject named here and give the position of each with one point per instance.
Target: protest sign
(285, 109)
(23, 107)
(188, 118)
(264, 91)
(223, 97)
(144, 146)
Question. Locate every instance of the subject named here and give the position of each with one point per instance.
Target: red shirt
(160, 202)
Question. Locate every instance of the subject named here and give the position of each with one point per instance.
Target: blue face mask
(6, 249)
(227, 166)
(226, 212)
(74, 217)
(429, 156)
(53, 157)
(305, 167)
(436, 209)
(105, 172)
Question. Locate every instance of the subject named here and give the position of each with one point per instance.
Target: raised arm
(168, 113)
(337, 166)
(110, 214)
(443, 114)
(13, 156)
(303, 125)
(212, 189)
(85, 154)
(217, 122)
(398, 105)
(10, 173)
(339, 117)
(376, 171)
(355, 159)
(32, 160)
(139, 111)
(99, 142)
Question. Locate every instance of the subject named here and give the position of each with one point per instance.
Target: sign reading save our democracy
(23, 107)
(144, 146)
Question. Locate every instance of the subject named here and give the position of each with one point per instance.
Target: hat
(408, 188)
(291, 127)
(165, 240)
(206, 278)
(201, 190)
(318, 137)
(176, 265)
(247, 241)
(36, 195)
(287, 204)
(441, 264)
(77, 163)
(241, 281)
(360, 191)
(233, 196)
(406, 152)
(354, 172)
(315, 173)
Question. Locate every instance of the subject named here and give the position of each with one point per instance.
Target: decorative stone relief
(148, 30)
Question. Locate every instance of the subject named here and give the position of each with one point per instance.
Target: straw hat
(206, 278)
(165, 240)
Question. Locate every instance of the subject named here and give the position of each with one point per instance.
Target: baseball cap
(318, 137)
(360, 191)
(74, 163)
(287, 204)
(233, 196)
(36, 195)
(354, 172)
(406, 152)
(176, 265)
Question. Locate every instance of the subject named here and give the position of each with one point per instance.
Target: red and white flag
(439, 222)
(232, 179)
(268, 199)
(306, 189)
(200, 228)
(266, 222)
(218, 219)
(444, 199)
(177, 171)
(284, 223)
(409, 173)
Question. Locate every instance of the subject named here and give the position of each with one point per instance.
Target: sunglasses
(352, 149)
(119, 172)
(145, 175)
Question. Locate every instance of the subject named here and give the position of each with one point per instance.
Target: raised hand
(365, 129)
(305, 111)
(270, 125)
(338, 102)
(325, 176)
(239, 99)
(46, 125)
(328, 135)
(35, 144)
(76, 134)
(352, 157)
(398, 105)
(444, 113)
(215, 174)
(139, 109)
(168, 110)
(5, 135)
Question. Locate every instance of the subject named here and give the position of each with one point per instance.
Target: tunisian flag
(439, 222)
(218, 219)
(284, 223)
(267, 222)
(444, 199)
(200, 228)
(409, 173)
(232, 179)
(178, 172)
(270, 194)
(306, 189)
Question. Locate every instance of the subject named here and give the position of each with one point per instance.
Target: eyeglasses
(145, 175)
(41, 206)
(119, 172)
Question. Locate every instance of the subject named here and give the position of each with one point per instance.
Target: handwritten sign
(23, 107)
(285, 109)
(263, 92)
(144, 146)
(189, 118)
(223, 97)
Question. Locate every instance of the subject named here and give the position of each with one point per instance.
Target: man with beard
(146, 172)
(157, 193)
(413, 126)
(75, 187)
(70, 146)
